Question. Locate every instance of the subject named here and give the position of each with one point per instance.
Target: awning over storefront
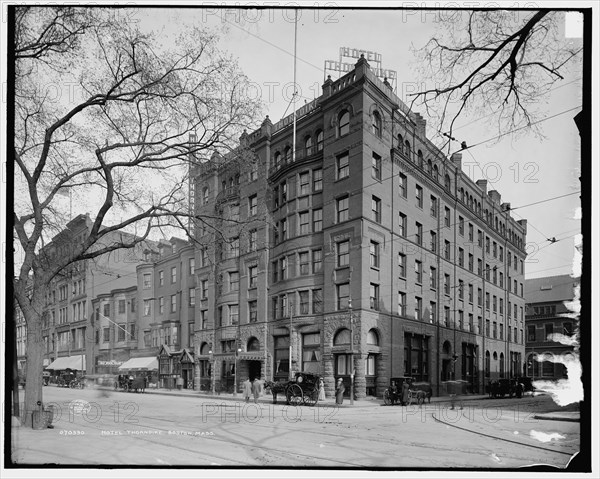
(76, 363)
(149, 363)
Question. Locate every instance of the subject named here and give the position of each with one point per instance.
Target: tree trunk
(35, 355)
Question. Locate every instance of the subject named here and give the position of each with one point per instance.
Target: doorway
(254, 369)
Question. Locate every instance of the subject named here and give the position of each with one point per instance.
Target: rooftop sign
(345, 67)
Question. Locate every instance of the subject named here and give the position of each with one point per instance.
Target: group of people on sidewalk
(254, 389)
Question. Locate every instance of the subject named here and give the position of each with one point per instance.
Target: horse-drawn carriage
(127, 383)
(69, 379)
(303, 389)
(417, 390)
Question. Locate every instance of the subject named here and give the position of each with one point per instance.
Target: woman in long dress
(321, 390)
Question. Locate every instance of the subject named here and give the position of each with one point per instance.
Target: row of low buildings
(365, 251)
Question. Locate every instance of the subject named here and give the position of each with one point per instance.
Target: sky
(524, 169)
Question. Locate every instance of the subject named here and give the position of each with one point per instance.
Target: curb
(545, 417)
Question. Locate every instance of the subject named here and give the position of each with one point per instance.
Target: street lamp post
(351, 353)
(290, 352)
(212, 375)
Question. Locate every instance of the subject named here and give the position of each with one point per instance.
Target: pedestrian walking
(247, 389)
(256, 389)
(321, 390)
(339, 391)
(405, 388)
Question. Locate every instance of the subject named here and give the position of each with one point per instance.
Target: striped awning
(149, 363)
(76, 363)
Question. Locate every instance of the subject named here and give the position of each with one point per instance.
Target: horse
(275, 388)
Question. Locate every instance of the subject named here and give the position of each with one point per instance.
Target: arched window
(501, 365)
(231, 182)
(447, 185)
(495, 356)
(420, 158)
(342, 337)
(204, 349)
(277, 158)
(429, 167)
(253, 345)
(287, 155)
(376, 124)
(400, 143)
(205, 195)
(436, 173)
(462, 194)
(496, 221)
(319, 140)
(407, 149)
(372, 338)
(487, 364)
(308, 146)
(344, 123)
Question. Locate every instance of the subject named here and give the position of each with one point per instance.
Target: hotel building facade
(366, 251)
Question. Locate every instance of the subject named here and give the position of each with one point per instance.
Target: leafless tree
(111, 115)
(495, 63)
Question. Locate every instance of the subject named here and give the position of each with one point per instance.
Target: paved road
(150, 429)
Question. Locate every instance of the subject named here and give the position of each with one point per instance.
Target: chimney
(457, 160)
(327, 86)
(482, 185)
(421, 123)
(523, 223)
(495, 196)
(266, 126)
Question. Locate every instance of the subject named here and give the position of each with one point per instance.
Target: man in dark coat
(405, 388)
(256, 389)
(339, 391)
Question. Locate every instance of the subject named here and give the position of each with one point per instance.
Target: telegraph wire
(544, 201)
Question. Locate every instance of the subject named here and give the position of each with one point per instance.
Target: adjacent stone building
(365, 250)
(551, 326)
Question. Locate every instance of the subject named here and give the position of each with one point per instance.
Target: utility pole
(351, 353)
(290, 358)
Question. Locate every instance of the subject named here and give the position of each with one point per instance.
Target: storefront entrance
(254, 369)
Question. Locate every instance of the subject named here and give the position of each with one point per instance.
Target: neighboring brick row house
(551, 326)
(366, 250)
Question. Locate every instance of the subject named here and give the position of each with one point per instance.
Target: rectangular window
(133, 301)
(376, 166)
(487, 272)
(282, 231)
(461, 257)
(376, 209)
(419, 196)
(531, 333)
(317, 220)
(173, 303)
(192, 296)
(191, 266)
(432, 312)
(418, 271)
(161, 305)
(461, 226)
(446, 284)
(479, 296)
(461, 320)
(487, 301)
(374, 254)
(446, 316)
(402, 224)
(479, 267)
(479, 238)
(317, 300)
(402, 183)
(105, 335)
(283, 191)
(317, 259)
(374, 296)
(419, 235)
(304, 180)
(502, 280)
(447, 249)
(501, 253)
(461, 289)
(470, 293)
(549, 330)
(147, 309)
(174, 274)
(433, 241)
(343, 168)
(501, 306)
(304, 223)
(432, 278)
(283, 268)
(343, 295)
(121, 306)
(107, 310)
(487, 244)
(252, 205)
(401, 303)
(418, 308)
(343, 253)
(447, 216)
(147, 281)
(434, 206)
(317, 179)
(495, 249)
(252, 276)
(252, 240)
(471, 325)
(470, 262)
(303, 296)
(494, 304)
(234, 313)
(342, 209)
(304, 264)
(402, 265)
(252, 311)
(204, 289)
(470, 232)
(234, 281)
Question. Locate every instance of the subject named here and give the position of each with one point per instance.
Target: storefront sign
(112, 362)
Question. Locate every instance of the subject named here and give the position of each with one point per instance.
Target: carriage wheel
(387, 400)
(294, 395)
(73, 384)
(311, 398)
(125, 387)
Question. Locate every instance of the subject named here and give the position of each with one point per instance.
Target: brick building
(367, 249)
(550, 326)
